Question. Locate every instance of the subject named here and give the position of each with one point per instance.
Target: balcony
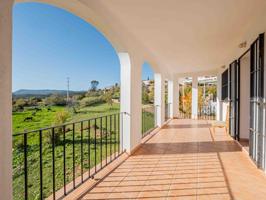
(184, 160)
(181, 158)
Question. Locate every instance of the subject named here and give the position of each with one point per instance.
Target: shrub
(89, 101)
(60, 118)
(108, 98)
(55, 100)
(19, 104)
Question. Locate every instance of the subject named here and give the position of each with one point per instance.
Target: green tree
(55, 99)
(108, 97)
(94, 85)
(20, 104)
(145, 94)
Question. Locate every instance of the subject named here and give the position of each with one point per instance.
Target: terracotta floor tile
(185, 160)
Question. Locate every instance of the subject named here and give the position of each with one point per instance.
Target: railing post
(6, 99)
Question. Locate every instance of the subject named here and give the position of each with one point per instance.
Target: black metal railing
(148, 119)
(207, 112)
(53, 161)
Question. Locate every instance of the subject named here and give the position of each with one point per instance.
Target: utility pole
(68, 89)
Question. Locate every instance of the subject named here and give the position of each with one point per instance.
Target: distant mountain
(41, 93)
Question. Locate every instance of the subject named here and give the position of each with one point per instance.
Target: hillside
(41, 93)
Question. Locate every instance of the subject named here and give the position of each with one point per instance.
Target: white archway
(130, 61)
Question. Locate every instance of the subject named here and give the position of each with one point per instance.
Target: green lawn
(83, 142)
(81, 139)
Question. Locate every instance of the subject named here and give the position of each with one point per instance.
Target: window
(225, 85)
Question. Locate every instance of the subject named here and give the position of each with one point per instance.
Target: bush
(19, 104)
(89, 101)
(108, 98)
(55, 100)
(60, 118)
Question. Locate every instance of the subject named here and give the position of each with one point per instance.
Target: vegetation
(45, 118)
(33, 113)
(185, 96)
(148, 119)
(148, 92)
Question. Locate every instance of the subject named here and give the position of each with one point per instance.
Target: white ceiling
(188, 35)
(176, 36)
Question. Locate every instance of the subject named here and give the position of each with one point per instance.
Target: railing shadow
(188, 148)
(180, 126)
(170, 170)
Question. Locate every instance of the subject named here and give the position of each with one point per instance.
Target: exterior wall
(244, 96)
(170, 97)
(175, 98)
(194, 97)
(219, 98)
(159, 96)
(6, 99)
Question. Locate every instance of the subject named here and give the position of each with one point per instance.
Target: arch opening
(148, 107)
(60, 77)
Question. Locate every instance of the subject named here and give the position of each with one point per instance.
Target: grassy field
(45, 118)
(86, 140)
(83, 142)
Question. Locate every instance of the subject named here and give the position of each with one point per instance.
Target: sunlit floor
(184, 161)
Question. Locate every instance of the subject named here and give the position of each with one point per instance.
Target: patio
(184, 160)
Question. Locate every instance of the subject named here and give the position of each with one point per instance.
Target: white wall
(194, 97)
(159, 91)
(6, 99)
(244, 96)
(219, 98)
(130, 99)
(175, 98)
(170, 97)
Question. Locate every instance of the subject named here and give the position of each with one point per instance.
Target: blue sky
(51, 44)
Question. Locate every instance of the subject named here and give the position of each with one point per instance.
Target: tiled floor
(184, 161)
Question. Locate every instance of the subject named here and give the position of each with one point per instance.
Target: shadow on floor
(188, 147)
(166, 177)
(180, 126)
(174, 170)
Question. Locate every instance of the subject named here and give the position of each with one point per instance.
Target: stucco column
(130, 102)
(6, 99)
(175, 98)
(194, 114)
(170, 97)
(159, 99)
(219, 98)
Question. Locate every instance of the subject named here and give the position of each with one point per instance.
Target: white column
(159, 99)
(219, 98)
(130, 102)
(175, 98)
(194, 97)
(170, 97)
(6, 99)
